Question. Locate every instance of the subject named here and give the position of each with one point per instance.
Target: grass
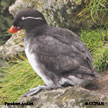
(17, 80)
(97, 42)
(20, 77)
(96, 10)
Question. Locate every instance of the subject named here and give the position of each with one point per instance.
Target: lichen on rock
(61, 13)
(13, 47)
(21, 4)
(57, 12)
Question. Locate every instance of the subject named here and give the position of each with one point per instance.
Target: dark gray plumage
(58, 55)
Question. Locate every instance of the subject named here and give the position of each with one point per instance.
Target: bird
(56, 54)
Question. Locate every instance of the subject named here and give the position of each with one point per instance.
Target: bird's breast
(36, 65)
(32, 58)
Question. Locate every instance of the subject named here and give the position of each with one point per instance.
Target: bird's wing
(62, 54)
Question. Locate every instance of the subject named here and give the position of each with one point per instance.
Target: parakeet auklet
(56, 54)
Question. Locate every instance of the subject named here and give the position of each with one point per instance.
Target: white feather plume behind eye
(36, 18)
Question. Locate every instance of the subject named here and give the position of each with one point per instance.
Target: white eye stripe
(37, 18)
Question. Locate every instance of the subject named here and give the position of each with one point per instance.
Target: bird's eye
(23, 18)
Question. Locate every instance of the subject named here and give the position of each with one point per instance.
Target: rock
(57, 12)
(62, 13)
(69, 97)
(21, 4)
(14, 47)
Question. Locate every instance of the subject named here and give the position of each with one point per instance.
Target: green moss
(18, 79)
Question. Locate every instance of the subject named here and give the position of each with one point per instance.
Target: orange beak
(13, 29)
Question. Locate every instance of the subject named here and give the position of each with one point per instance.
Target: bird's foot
(36, 90)
(101, 81)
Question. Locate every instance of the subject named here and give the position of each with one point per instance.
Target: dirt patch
(100, 85)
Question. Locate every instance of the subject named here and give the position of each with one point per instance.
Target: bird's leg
(36, 90)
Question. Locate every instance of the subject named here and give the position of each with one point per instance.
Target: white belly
(33, 60)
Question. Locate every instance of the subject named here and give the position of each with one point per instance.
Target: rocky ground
(101, 84)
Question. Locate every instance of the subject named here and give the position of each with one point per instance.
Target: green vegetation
(97, 42)
(20, 77)
(95, 10)
(5, 20)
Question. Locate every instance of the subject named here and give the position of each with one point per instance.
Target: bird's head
(27, 19)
